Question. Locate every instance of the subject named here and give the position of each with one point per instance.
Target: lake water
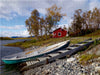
(6, 50)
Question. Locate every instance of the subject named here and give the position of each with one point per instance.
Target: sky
(13, 13)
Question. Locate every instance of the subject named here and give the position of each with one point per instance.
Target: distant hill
(21, 37)
(30, 36)
(16, 37)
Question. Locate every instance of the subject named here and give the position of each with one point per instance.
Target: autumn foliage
(85, 22)
(40, 26)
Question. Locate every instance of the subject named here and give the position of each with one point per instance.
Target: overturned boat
(32, 54)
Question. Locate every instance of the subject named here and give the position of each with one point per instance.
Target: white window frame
(59, 33)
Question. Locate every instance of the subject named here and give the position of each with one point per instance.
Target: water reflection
(6, 69)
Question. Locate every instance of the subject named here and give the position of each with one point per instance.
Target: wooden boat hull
(8, 61)
(20, 60)
(12, 61)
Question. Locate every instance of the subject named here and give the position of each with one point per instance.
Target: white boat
(24, 56)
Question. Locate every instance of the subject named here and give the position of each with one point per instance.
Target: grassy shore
(90, 53)
(6, 38)
(73, 40)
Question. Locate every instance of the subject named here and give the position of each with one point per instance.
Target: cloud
(62, 25)
(11, 8)
(69, 7)
(42, 10)
(9, 33)
(16, 27)
(79, 0)
(24, 7)
(93, 4)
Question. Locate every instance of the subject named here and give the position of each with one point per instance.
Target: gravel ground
(67, 66)
(64, 67)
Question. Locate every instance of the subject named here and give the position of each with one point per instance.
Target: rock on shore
(67, 66)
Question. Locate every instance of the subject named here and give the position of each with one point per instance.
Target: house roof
(58, 29)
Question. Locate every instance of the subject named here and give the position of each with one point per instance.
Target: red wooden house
(59, 33)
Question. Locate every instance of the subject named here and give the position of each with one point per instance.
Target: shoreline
(62, 68)
(68, 66)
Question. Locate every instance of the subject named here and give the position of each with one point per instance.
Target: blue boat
(32, 54)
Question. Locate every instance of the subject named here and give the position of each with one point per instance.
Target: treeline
(6, 38)
(85, 22)
(40, 26)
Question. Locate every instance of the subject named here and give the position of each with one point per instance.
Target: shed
(59, 33)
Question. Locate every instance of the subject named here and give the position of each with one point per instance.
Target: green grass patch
(34, 42)
(22, 44)
(84, 59)
(94, 34)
